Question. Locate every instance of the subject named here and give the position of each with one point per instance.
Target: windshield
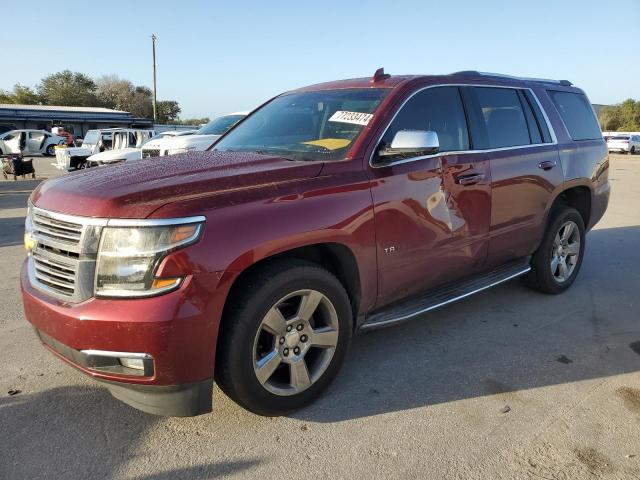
(620, 137)
(219, 125)
(319, 125)
(91, 138)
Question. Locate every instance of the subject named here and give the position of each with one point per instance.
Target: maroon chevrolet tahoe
(330, 209)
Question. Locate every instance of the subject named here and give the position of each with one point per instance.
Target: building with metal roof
(76, 120)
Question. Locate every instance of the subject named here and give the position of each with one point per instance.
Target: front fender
(319, 211)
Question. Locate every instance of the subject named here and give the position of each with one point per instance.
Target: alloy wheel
(565, 251)
(295, 342)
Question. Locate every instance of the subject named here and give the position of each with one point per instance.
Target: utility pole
(153, 42)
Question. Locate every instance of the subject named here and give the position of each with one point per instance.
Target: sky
(217, 57)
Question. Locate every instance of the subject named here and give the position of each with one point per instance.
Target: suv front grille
(151, 152)
(58, 276)
(62, 263)
(58, 230)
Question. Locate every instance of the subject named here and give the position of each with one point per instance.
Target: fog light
(135, 363)
(29, 242)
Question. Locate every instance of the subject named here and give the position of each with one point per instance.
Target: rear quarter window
(577, 115)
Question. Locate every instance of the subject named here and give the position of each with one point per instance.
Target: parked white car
(35, 142)
(103, 146)
(198, 141)
(626, 143)
(126, 146)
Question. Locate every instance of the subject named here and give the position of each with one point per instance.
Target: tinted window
(577, 115)
(313, 125)
(437, 109)
(534, 128)
(503, 116)
(620, 137)
(220, 125)
(540, 120)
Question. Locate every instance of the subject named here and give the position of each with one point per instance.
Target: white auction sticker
(351, 117)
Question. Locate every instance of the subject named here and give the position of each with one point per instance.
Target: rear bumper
(176, 332)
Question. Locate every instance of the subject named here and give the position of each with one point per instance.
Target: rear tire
(556, 263)
(285, 333)
(633, 150)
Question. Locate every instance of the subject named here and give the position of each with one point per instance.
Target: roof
(45, 113)
(58, 108)
(366, 82)
(382, 80)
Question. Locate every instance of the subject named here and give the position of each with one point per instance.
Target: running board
(445, 295)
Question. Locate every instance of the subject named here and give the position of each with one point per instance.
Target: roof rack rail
(564, 83)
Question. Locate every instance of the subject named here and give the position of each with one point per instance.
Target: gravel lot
(427, 399)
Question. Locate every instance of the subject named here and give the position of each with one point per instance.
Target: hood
(136, 189)
(117, 155)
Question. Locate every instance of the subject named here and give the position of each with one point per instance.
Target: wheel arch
(578, 196)
(335, 257)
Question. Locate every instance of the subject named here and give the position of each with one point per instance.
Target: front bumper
(177, 331)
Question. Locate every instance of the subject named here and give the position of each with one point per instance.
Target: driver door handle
(470, 179)
(548, 165)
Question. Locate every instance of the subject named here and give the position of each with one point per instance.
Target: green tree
(168, 111)
(68, 88)
(114, 92)
(624, 117)
(142, 102)
(195, 121)
(120, 94)
(21, 95)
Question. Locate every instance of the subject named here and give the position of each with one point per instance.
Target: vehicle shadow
(47, 435)
(501, 341)
(11, 231)
(14, 196)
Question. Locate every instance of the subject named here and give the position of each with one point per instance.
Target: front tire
(285, 334)
(51, 150)
(556, 263)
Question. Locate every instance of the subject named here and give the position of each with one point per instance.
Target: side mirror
(411, 143)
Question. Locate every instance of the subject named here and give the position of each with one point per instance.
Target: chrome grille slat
(56, 230)
(57, 223)
(56, 234)
(41, 259)
(49, 280)
(55, 273)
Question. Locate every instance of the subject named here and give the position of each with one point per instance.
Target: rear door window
(577, 115)
(503, 116)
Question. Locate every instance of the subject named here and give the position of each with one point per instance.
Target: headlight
(129, 256)
(175, 151)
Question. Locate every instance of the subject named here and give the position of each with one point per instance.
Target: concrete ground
(427, 399)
